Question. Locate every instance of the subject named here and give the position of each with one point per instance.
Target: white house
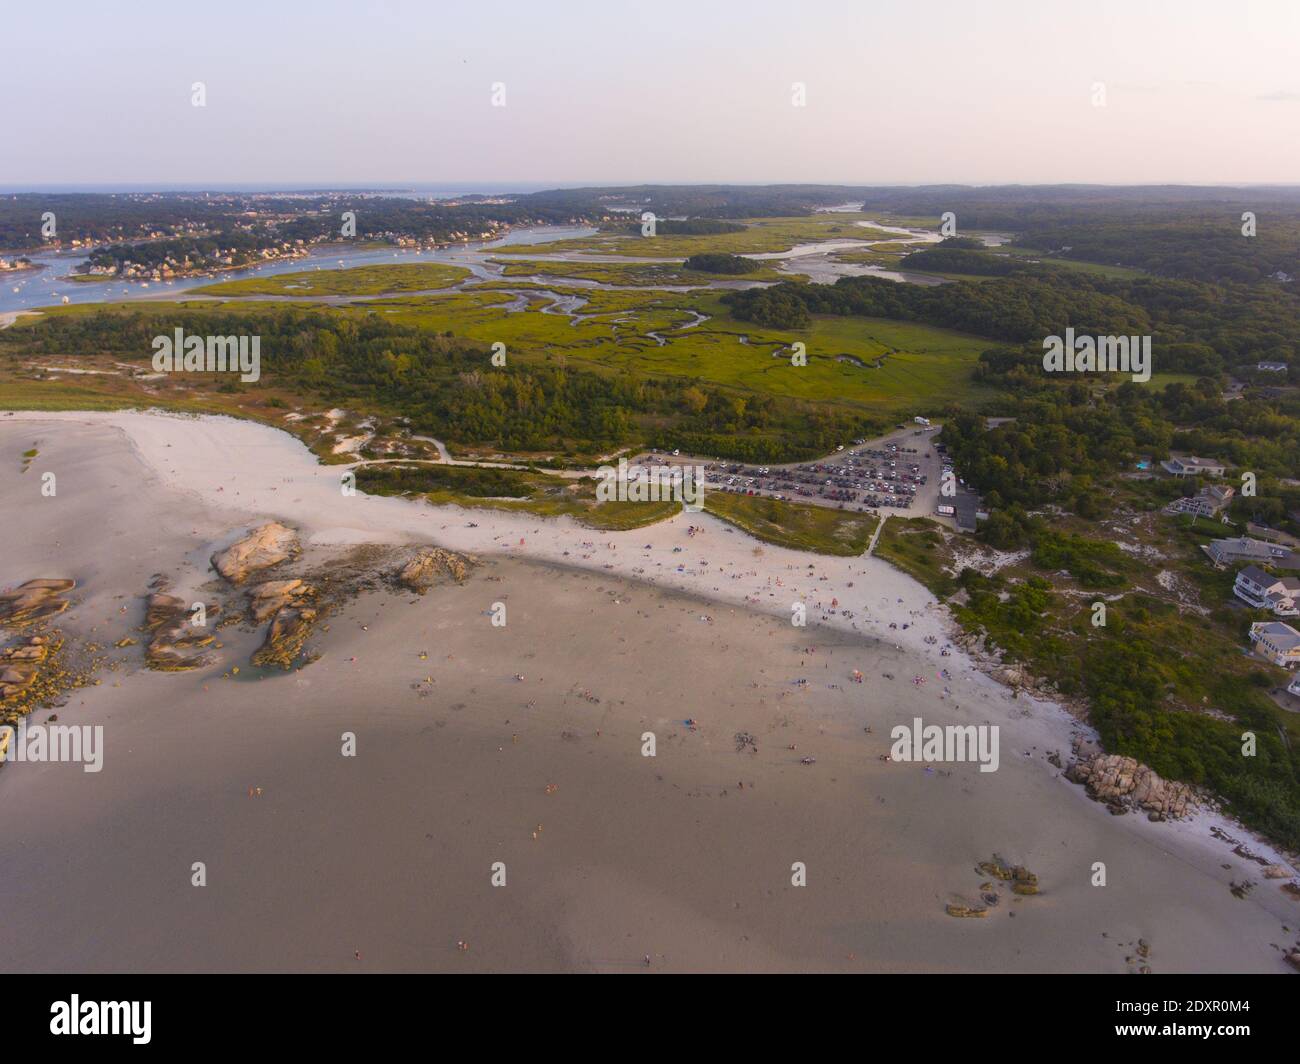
(1191, 467)
(1205, 503)
(1267, 592)
(1278, 642)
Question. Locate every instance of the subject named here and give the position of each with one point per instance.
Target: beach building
(1276, 642)
(969, 511)
(1264, 591)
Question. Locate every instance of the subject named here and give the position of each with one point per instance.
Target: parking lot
(898, 473)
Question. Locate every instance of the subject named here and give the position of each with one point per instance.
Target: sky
(392, 92)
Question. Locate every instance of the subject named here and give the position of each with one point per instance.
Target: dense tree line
(960, 260)
(711, 262)
(1200, 247)
(1066, 440)
(448, 388)
(99, 217)
(1196, 327)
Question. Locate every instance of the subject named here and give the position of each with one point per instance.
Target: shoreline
(757, 576)
(237, 474)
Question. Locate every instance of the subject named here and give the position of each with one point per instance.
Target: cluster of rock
(429, 565)
(21, 665)
(288, 605)
(1021, 880)
(177, 644)
(265, 546)
(29, 674)
(34, 601)
(270, 597)
(1123, 783)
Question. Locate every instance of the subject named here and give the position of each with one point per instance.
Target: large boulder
(34, 601)
(177, 645)
(268, 545)
(286, 636)
(429, 565)
(271, 596)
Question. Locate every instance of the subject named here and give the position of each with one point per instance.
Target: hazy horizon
(670, 93)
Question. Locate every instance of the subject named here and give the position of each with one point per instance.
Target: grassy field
(872, 365)
(785, 524)
(760, 235)
(516, 491)
(358, 281)
(1096, 268)
(629, 273)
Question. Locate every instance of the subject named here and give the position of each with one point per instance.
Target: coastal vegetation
(357, 281)
(794, 525)
(534, 492)
(718, 263)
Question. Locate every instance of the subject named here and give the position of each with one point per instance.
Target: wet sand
(390, 853)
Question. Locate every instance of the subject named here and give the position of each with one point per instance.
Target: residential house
(1294, 687)
(1277, 642)
(1264, 591)
(1191, 467)
(1245, 549)
(1205, 503)
(1272, 367)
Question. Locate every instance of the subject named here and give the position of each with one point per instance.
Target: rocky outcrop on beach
(269, 598)
(265, 546)
(34, 601)
(1123, 783)
(33, 668)
(431, 564)
(1000, 872)
(176, 644)
(21, 664)
(1022, 880)
(288, 605)
(286, 636)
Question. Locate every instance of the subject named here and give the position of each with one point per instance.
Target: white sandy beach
(388, 854)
